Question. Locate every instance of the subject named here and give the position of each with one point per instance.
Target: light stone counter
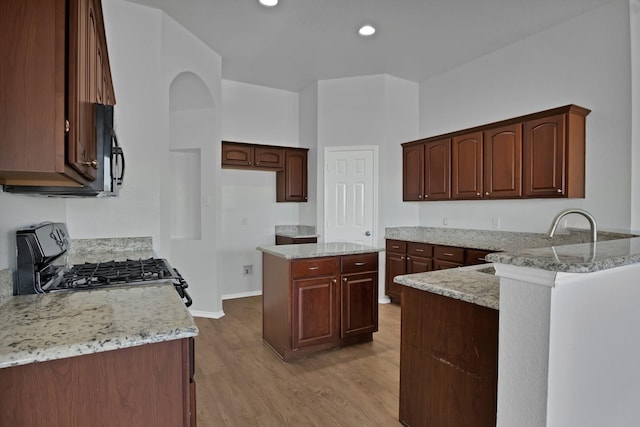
(109, 249)
(316, 250)
(296, 231)
(36, 328)
(493, 239)
(6, 285)
(579, 258)
(468, 284)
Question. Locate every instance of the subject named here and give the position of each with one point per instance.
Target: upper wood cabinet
(239, 155)
(291, 182)
(537, 155)
(554, 154)
(503, 162)
(290, 164)
(466, 168)
(427, 171)
(48, 133)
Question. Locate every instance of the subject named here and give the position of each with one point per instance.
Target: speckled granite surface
(296, 231)
(6, 285)
(493, 239)
(36, 328)
(315, 250)
(109, 249)
(464, 283)
(579, 258)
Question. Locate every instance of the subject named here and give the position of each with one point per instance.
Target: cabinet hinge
(67, 126)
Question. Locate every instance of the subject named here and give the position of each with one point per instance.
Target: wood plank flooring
(241, 382)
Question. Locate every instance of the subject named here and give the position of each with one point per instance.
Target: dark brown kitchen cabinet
(448, 361)
(291, 182)
(405, 258)
(145, 385)
(447, 257)
(554, 154)
(314, 304)
(475, 256)
(48, 132)
(503, 162)
(239, 155)
(286, 240)
(466, 169)
(537, 155)
(315, 311)
(359, 294)
(413, 172)
(426, 171)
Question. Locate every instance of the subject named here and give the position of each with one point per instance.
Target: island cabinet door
(315, 311)
(359, 304)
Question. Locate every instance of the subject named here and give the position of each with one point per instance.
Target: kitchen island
(318, 296)
(567, 334)
(111, 356)
(569, 343)
(449, 347)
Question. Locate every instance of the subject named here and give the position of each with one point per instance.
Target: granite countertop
(494, 239)
(464, 283)
(296, 231)
(315, 250)
(578, 258)
(42, 327)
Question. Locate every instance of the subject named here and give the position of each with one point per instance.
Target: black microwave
(110, 169)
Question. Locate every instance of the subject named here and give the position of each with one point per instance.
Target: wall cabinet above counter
(61, 70)
(289, 163)
(532, 156)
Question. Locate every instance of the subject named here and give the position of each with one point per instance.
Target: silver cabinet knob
(559, 190)
(419, 196)
(486, 194)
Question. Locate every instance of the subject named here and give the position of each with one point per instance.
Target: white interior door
(350, 189)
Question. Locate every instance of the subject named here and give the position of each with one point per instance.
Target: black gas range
(42, 266)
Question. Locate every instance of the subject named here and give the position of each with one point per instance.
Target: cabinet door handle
(334, 281)
(559, 190)
(359, 264)
(395, 247)
(448, 254)
(419, 196)
(408, 258)
(344, 279)
(314, 268)
(250, 162)
(257, 163)
(426, 196)
(402, 257)
(486, 194)
(92, 163)
(419, 250)
(477, 194)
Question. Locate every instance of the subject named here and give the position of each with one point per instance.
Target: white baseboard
(241, 295)
(384, 300)
(207, 314)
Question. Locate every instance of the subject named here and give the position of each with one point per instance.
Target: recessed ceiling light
(366, 30)
(268, 3)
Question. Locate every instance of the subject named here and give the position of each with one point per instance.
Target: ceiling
(299, 42)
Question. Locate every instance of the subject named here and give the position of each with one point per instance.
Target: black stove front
(42, 266)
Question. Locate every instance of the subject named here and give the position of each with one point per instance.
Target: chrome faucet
(590, 218)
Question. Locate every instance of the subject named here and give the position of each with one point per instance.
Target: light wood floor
(241, 382)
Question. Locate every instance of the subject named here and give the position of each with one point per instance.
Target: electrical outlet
(445, 221)
(247, 270)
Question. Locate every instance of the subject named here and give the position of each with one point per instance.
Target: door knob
(367, 233)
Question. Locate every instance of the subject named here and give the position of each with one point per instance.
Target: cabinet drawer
(396, 246)
(423, 250)
(313, 267)
(475, 256)
(449, 253)
(358, 263)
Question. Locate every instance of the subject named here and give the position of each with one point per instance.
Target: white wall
(374, 110)
(249, 211)
(309, 139)
(584, 61)
(634, 6)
